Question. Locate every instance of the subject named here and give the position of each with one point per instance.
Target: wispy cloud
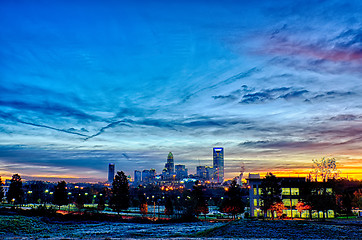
(272, 82)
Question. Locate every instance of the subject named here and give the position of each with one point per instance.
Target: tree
(168, 206)
(324, 169)
(37, 189)
(199, 201)
(277, 207)
(270, 192)
(1, 190)
(233, 203)
(301, 206)
(120, 192)
(143, 204)
(101, 203)
(60, 194)
(79, 202)
(306, 194)
(15, 193)
(323, 197)
(357, 199)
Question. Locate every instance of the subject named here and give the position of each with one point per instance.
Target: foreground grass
(17, 225)
(13, 226)
(296, 229)
(21, 224)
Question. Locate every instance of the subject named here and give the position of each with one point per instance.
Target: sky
(88, 83)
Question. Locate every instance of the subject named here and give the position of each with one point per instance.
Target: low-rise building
(291, 194)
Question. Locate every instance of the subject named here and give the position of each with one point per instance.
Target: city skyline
(84, 84)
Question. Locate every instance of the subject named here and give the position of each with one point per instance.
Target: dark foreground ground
(33, 227)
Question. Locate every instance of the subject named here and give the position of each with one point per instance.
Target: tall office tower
(218, 164)
(170, 164)
(181, 172)
(145, 176)
(137, 177)
(110, 172)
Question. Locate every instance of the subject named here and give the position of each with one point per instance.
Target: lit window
(329, 190)
(255, 191)
(260, 191)
(294, 202)
(255, 202)
(286, 202)
(285, 191)
(330, 213)
(294, 191)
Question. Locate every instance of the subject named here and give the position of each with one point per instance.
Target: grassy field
(12, 226)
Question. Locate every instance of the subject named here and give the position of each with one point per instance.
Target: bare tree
(324, 169)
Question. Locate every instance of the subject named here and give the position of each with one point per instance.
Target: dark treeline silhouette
(181, 202)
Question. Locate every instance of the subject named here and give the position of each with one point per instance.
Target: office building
(137, 177)
(201, 172)
(181, 172)
(110, 172)
(218, 164)
(169, 166)
(148, 175)
(290, 196)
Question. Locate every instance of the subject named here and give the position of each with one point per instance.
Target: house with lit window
(291, 194)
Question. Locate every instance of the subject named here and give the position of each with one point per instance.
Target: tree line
(313, 195)
(177, 203)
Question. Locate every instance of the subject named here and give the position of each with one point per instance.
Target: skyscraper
(181, 171)
(218, 164)
(170, 164)
(137, 177)
(110, 172)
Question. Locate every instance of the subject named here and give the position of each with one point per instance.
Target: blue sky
(82, 84)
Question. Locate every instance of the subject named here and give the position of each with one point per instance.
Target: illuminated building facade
(218, 164)
(290, 196)
(169, 166)
(205, 172)
(137, 177)
(181, 172)
(148, 175)
(111, 172)
(201, 172)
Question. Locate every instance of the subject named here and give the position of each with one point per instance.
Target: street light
(154, 206)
